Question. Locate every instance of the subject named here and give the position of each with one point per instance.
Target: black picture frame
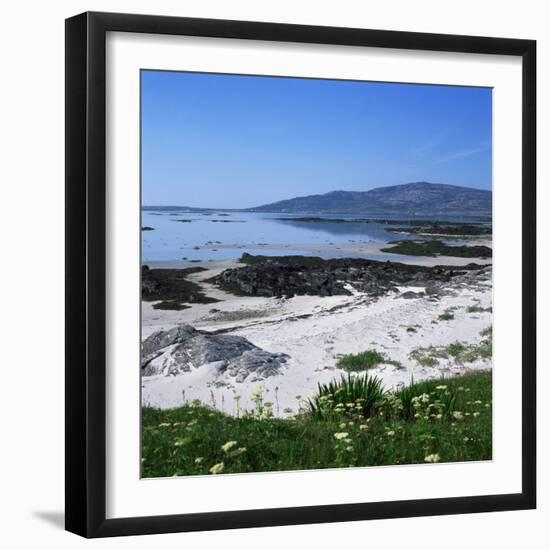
(86, 263)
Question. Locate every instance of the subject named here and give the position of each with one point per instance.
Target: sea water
(224, 235)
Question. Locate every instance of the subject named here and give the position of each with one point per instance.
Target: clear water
(226, 235)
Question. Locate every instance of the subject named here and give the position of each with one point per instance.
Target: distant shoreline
(369, 251)
(484, 216)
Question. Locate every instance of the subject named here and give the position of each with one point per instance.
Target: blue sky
(238, 141)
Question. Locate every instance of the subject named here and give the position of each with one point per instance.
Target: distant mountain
(411, 198)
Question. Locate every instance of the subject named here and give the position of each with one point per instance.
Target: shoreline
(367, 251)
(314, 332)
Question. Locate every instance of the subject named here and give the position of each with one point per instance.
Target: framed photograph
(300, 274)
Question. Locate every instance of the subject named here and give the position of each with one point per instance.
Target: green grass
(447, 316)
(425, 357)
(479, 309)
(364, 393)
(459, 352)
(364, 360)
(447, 420)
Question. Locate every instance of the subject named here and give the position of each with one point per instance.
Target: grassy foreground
(436, 421)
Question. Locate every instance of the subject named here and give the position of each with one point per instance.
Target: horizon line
(313, 195)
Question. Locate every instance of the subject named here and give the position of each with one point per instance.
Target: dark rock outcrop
(410, 295)
(304, 275)
(435, 248)
(445, 229)
(184, 348)
(171, 287)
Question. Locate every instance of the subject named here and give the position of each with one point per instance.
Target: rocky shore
(171, 289)
(435, 248)
(289, 276)
(445, 229)
(285, 322)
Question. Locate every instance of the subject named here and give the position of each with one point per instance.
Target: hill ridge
(419, 197)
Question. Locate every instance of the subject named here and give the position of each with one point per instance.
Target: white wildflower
(217, 468)
(226, 447)
(432, 458)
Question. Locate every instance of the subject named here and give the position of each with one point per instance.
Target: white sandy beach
(315, 332)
